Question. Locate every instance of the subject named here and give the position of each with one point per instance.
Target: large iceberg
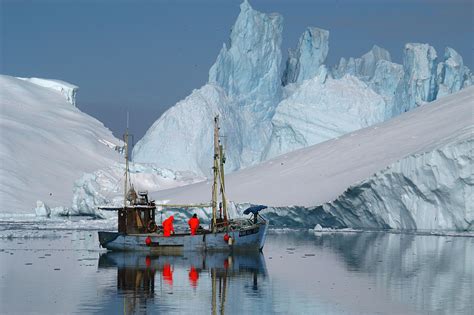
(266, 110)
(244, 87)
(413, 171)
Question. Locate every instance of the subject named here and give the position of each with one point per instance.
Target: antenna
(127, 119)
(125, 189)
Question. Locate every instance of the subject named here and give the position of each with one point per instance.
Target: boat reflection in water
(160, 283)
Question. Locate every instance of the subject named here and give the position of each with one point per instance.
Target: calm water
(64, 271)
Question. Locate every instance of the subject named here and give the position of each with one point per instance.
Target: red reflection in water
(193, 276)
(167, 274)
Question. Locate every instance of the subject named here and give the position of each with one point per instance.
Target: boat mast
(215, 168)
(218, 168)
(222, 182)
(125, 187)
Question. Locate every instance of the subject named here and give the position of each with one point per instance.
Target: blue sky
(144, 56)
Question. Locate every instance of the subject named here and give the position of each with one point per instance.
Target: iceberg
(42, 210)
(244, 88)
(266, 113)
(413, 171)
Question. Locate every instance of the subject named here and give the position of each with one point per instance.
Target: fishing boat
(138, 230)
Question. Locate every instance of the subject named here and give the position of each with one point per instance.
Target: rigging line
(224, 194)
(107, 196)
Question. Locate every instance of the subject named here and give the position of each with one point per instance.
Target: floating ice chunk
(318, 228)
(42, 210)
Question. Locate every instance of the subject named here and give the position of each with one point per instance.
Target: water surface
(64, 271)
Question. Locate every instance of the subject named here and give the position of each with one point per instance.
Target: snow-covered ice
(66, 89)
(46, 144)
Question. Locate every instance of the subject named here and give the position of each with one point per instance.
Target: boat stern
(107, 237)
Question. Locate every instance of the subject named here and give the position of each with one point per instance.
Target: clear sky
(144, 56)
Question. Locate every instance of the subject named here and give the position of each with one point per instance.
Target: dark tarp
(254, 209)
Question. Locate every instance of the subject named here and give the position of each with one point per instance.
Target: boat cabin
(139, 216)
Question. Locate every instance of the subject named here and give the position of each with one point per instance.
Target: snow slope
(46, 143)
(429, 147)
(53, 153)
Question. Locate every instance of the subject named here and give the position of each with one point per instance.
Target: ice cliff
(429, 191)
(268, 110)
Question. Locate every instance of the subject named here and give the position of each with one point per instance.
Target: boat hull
(248, 239)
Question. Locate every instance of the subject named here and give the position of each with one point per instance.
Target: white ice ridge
(66, 89)
(320, 174)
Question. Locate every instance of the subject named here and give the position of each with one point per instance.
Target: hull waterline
(248, 239)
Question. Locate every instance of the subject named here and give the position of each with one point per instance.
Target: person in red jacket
(193, 224)
(168, 226)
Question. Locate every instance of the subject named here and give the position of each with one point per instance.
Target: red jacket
(193, 225)
(168, 226)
